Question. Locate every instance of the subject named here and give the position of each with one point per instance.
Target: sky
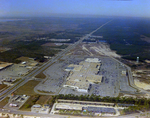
(135, 8)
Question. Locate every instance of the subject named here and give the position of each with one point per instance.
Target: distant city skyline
(135, 8)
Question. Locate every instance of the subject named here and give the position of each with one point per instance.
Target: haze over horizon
(134, 8)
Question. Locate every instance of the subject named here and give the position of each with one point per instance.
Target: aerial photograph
(74, 58)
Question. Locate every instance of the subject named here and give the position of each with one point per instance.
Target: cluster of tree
(126, 100)
(33, 50)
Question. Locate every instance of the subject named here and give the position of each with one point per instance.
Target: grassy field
(44, 99)
(4, 102)
(2, 86)
(41, 75)
(45, 92)
(28, 88)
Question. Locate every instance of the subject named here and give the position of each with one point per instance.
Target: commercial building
(97, 108)
(62, 106)
(84, 74)
(93, 60)
(124, 72)
(4, 65)
(37, 108)
(83, 106)
(73, 67)
(85, 102)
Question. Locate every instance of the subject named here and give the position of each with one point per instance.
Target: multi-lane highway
(11, 89)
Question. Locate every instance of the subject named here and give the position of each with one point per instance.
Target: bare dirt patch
(147, 61)
(78, 51)
(142, 76)
(94, 49)
(49, 44)
(145, 38)
(23, 58)
(101, 49)
(3, 49)
(142, 85)
(84, 48)
(2, 86)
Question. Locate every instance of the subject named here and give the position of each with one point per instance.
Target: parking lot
(14, 72)
(54, 80)
(66, 91)
(17, 71)
(56, 77)
(113, 81)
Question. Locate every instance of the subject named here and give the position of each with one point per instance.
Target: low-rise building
(37, 108)
(84, 74)
(4, 65)
(66, 106)
(85, 102)
(124, 73)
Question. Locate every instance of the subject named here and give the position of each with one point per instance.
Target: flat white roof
(68, 106)
(93, 60)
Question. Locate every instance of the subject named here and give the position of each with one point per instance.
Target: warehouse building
(62, 106)
(4, 65)
(83, 106)
(85, 102)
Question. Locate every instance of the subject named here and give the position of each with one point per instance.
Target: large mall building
(82, 76)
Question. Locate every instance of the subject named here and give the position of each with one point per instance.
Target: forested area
(32, 49)
(124, 36)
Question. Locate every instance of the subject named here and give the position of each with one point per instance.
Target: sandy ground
(101, 48)
(147, 61)
(141, 84)
(84, 48)
(145, 38)
(104, 49)
(94, 49)
(128, 96)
